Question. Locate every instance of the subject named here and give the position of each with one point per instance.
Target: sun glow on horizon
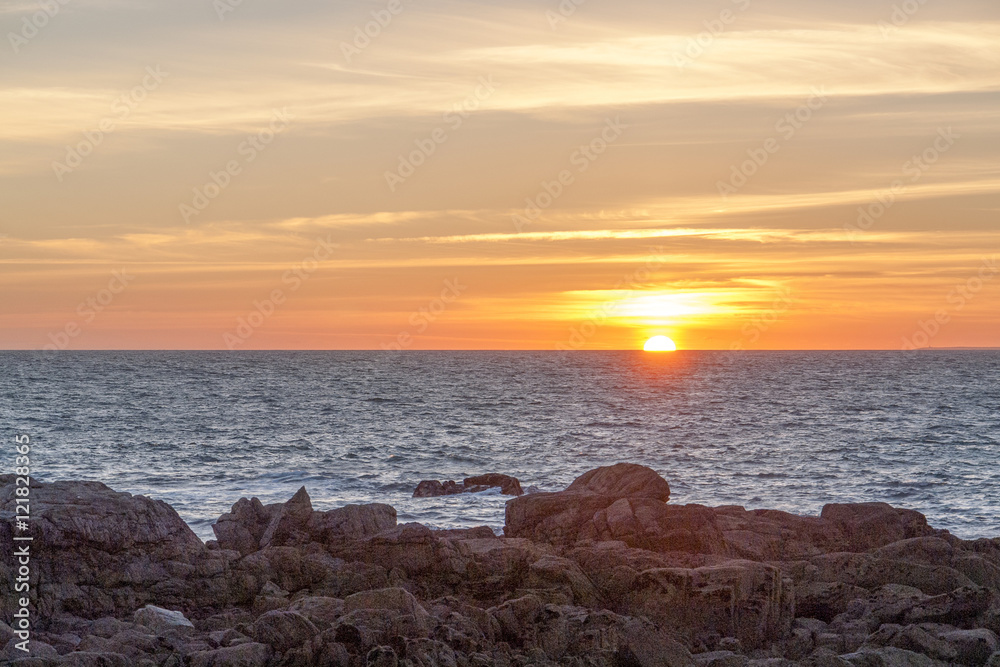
(659, 344)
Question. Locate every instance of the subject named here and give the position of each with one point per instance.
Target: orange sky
(736, 174)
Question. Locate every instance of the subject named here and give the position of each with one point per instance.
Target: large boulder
(96, 552)
(584, 510)
(622, 480)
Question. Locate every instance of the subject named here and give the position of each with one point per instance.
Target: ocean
(783, 430)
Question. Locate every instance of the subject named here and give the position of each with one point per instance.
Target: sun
(659, 344)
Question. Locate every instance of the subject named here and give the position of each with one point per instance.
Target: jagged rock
(603, 573)
(289, 525)
(242, 528)
(250, 526)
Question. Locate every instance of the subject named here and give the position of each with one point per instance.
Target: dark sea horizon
(783, 430)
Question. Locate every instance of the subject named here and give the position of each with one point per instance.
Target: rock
(6, 633)
(283, 630)
(351, 522)
(87, 659)
(509, 486)
(382, 656)
(916, 639)
(584, 509)
(871, 525)
(36, 649)
(888, 657)
(605, 573)
(518, 617)
(395, 600)
(96, 551)
(974, 647)
(430, 488)
(322, 611)
(289, 525)
(161, 620)
(721, 659)
(800, 644)
(825, 658)
(958, 608)
(242, 528)
(746, 600)
(622, 480)
(243, 655)
(327, 651)
(644, 648)
(994, 660)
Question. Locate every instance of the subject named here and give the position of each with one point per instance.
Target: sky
(423, 174)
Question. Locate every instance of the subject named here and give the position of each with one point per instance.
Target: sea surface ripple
(784, 430)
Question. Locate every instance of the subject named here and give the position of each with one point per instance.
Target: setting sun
(659, 344)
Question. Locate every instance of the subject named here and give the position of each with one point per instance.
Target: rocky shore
(606, 572)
